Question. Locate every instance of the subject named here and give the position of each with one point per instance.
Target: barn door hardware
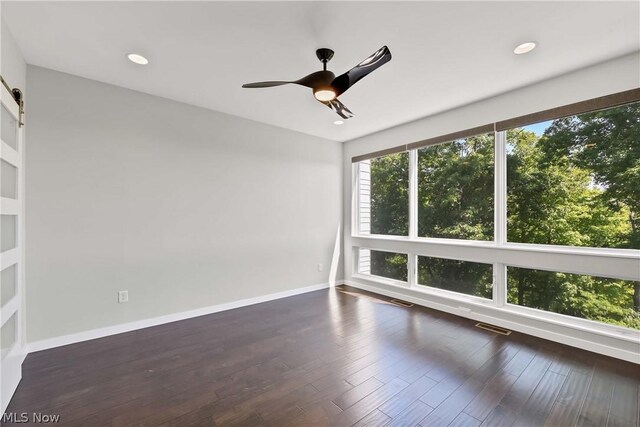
(17, 96)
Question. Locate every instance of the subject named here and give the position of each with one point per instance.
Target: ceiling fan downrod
(324, 55)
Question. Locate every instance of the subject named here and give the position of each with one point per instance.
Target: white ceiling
(445, 54)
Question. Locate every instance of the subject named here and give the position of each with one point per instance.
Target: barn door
(12, 342)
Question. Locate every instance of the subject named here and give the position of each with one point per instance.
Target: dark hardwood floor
(341, 357)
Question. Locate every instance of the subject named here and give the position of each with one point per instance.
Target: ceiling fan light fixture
(338, 122)
(324, 94)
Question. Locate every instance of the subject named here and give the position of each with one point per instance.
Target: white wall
(181, 206)
(12, 64)
(602, 79)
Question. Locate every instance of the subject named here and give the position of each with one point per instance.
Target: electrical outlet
(320, 267)
(123, 296)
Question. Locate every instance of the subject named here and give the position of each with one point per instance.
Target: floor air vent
(402, 303)
(496, 329)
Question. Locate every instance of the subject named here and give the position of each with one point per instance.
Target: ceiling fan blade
(339, 108)
(311, 80)
(348, 79)
(265, 84)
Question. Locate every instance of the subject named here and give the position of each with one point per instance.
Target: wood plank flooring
(337, 358)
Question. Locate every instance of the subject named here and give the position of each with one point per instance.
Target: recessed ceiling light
(524, 48)
(137, 59)
(338, 122)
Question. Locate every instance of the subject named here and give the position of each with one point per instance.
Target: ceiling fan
(326, 86)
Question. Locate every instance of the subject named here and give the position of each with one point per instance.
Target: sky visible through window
(538, 128)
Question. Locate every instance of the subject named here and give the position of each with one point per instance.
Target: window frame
(612, 263)
(375, 277)
(579, 322)
(413, 190)
(356, 219)
(453, 294)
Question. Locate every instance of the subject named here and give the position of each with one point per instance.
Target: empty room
(320, 213)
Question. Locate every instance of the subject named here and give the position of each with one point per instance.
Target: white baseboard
(569, 340)
(145, 323)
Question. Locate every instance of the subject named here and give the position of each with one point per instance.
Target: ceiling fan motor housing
(324, 54)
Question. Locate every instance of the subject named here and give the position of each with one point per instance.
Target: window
(578, 295)
(469, 278)
(560, 194)
(384, 195)
(576, 180)
(455, 189)
(385, 264)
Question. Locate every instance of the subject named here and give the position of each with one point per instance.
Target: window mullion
(355, 201)
(500, 284)
(412, 260)
(413, 194)
(500, 183)
(500, 216)
(412, 265)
